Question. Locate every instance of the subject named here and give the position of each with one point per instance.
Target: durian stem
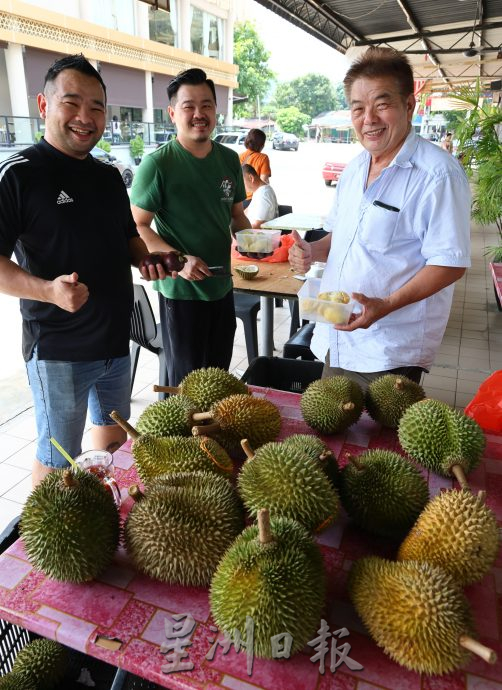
(247, 449)
(68, 479)
(135, 493)
(205, 429)
(264, 531)
(133, 433)
(325, 455)
(459, 475)
(201, 416)
(487, 654)
(354, 461)
(481, 498)
(174, 390)
(399, 384)
(348, 406)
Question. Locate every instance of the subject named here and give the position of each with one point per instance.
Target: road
(297, 181)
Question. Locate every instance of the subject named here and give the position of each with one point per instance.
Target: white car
(234, 140)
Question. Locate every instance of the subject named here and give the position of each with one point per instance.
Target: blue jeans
(64, 391)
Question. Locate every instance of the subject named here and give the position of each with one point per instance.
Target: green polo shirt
(192, 200)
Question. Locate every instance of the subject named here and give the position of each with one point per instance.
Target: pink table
(131, 610)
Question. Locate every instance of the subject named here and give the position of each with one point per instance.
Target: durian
(156, 456)
(416, 612)
(273, 574)
(331, 405)
(42, 662)
(442, 439)
(241, 416)
(316, 449)
(382, 492)
(289, 483)
(457, 532)
(387, 397)
(178, 531)
(206, 386)
(169, 417)
(70, 526)
(14, 681)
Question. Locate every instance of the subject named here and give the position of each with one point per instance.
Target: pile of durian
(187, 525)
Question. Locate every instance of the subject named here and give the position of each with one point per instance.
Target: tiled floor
(471, 350)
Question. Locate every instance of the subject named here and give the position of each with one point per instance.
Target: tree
(252, 58)
(312, 94)
(292, 120)
(340, 102)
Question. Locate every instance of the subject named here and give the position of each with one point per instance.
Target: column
(20, 126)
(184, 25)
(229, 57)
(147, 115)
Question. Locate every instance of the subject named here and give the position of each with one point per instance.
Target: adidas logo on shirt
(63, 198)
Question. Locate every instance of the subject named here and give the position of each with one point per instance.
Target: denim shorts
(63, 392)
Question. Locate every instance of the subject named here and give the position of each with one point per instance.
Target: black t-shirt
(60, 215)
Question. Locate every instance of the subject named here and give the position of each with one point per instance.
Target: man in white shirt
(263, 205)
(398, 232)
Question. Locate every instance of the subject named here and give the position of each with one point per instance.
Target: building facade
(137, 47)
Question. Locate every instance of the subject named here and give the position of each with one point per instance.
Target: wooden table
(129, 610)
(274, 280)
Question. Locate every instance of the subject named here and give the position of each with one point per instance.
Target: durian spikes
(133, 433)
(481, 650)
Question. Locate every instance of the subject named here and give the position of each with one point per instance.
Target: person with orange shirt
(253, 156)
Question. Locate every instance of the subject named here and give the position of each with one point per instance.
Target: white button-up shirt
(376, 250)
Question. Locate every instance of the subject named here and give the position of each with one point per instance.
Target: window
(206, 33)
(163, 25)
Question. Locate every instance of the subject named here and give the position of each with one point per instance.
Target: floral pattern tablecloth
(124, 617)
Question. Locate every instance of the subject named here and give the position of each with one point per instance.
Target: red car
(331, 172)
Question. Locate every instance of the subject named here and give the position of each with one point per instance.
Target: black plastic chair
(145, 332)
(246, 309)
(298, 345)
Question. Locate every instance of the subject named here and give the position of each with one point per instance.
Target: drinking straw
(64, 454)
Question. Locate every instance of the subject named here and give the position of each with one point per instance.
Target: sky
(294, 52)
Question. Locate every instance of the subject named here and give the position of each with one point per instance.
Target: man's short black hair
(76, 62)
(193, 76)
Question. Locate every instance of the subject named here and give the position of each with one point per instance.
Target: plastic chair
(284, 209)
(246, 309)
(298, 345)
(145, 332)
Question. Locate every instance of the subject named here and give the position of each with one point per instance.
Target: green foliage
(292, 120)
(480, 151)
(452, 118)
(312, 94)
(252, 57)
(137, 147)
(38, 136)
(340, 102)
(102, 144)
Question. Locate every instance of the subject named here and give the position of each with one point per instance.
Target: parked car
(285, 140)
(331, 172)
(105, 157)
(234, 140)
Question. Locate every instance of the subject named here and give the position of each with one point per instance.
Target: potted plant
(137, 147)
(480, 152)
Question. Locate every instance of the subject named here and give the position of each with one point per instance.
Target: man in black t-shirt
(67, 218)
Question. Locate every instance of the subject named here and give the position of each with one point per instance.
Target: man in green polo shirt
(193, 188)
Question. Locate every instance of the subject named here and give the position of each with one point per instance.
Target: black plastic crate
(105, 676)
(284, 374)
(13, 639)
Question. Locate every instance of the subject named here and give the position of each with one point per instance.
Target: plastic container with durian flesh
(257, 244)
(326, 307)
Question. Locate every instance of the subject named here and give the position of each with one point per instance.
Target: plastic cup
(100, 463)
